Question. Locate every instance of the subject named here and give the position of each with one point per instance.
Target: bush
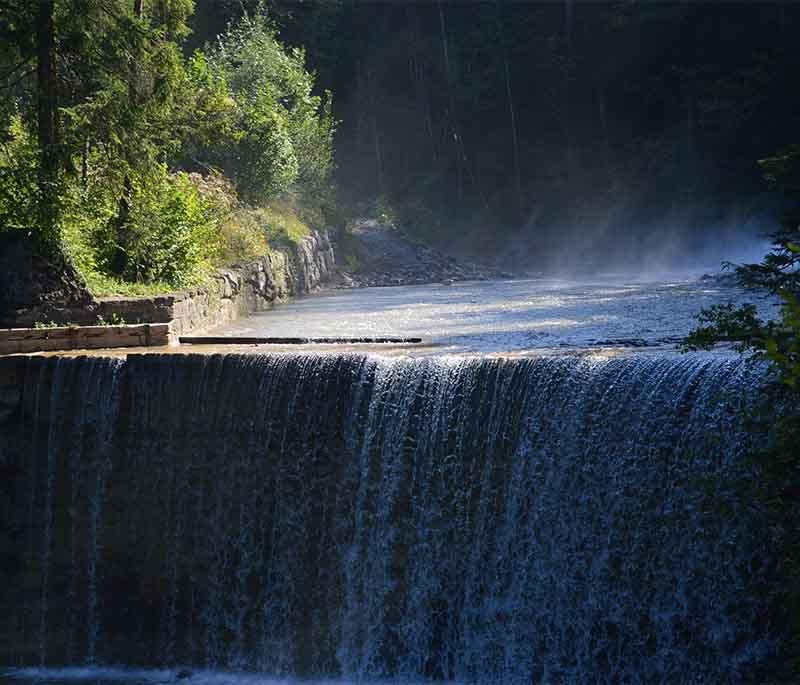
(242, 238)
(173, 231)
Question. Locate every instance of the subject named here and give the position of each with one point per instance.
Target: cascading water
(556, 519)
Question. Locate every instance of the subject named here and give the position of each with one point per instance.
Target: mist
(562, 136)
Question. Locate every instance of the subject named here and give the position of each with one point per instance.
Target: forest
(277, 512)
(161, 138)
(601, 122)
(150, 163)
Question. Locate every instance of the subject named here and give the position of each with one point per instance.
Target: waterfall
(555, 519)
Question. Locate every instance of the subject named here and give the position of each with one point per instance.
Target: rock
(35, 288)
(388, 256)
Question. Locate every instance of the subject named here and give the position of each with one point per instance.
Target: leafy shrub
(281, 223)
(172, 234)
(175, 231)
(242, 237)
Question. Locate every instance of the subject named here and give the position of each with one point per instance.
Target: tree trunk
(569, 22)
(85, 164)
(48, 129)
(514, 137)
(376, 139)
(359, 98)
(602, 116)
(119, 261)
(378, 155)
(451, 115)
(418, 75)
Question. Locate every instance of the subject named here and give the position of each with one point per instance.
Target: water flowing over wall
(544, 520)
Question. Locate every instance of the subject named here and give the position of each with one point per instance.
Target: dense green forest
(606, 122)
(147, 161)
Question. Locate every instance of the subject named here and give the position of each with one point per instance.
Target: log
(249, 340)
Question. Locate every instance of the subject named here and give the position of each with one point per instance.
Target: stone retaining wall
(294, 269)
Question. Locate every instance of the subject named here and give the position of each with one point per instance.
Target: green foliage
(174, 232)
(114, 320)
(278, 136)
(241, 238)
(778, 274)
(18, 174)
(138, 119)
(777, 341)
(281, 224)
(102, 285)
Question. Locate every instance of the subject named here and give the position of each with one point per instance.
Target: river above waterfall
(514, 316)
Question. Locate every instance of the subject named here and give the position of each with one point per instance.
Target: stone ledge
(26, 340)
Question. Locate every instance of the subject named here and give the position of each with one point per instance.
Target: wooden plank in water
(248, 340)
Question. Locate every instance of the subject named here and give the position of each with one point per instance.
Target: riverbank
(379, 254)
(47, 304)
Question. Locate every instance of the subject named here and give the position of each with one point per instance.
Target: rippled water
(502, 316)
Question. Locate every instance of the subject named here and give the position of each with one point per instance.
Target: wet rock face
(494, 521)
(294, 269)
(33, 288)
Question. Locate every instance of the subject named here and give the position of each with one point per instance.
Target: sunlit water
(502, 316)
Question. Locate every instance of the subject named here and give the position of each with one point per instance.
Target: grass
(281, 224)
(101, 285)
